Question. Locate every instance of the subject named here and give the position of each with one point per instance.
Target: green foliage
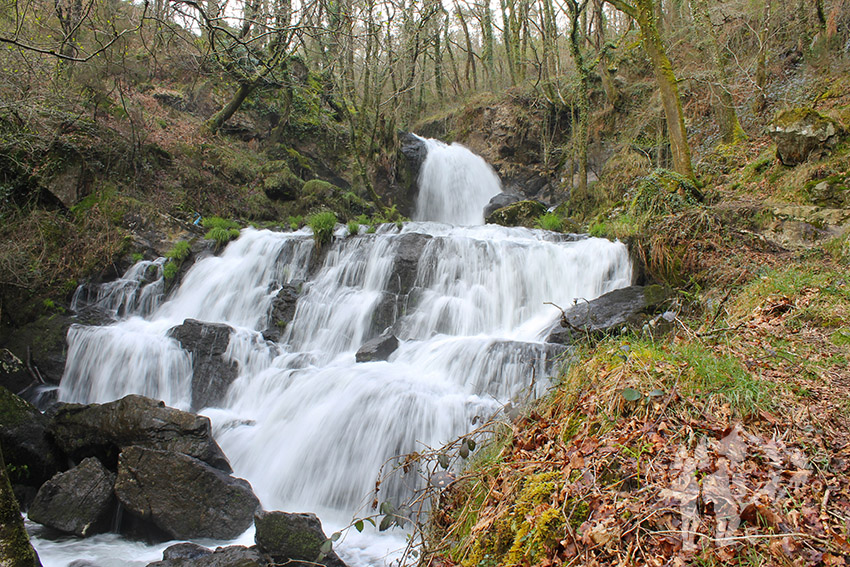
(179, 252)
(169, 270)
(220, 230)
(322, 224)
(353, 228)
(663, 192)
(295, 222)
(550, 221)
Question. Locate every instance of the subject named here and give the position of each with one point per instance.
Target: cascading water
(454, 185)
(304, 423)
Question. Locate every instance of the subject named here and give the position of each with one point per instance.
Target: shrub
(353, 228)
(322, 225)
(179, 251)
(221, 230)
(664, 192)
(295, 222)
(550, 221)
(169, 270)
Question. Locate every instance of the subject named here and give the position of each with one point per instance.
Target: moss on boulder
(803, 133)
(521, 213)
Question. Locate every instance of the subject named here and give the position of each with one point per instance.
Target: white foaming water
(454, 185)
(304, 423)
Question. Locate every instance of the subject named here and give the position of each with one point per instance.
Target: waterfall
(303, 422)
(454, 185)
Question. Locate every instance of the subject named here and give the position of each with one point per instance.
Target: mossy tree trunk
(581, 137)
(15, 548)
(219, 118)
(761, 60)
(644, 12)
(724, 107)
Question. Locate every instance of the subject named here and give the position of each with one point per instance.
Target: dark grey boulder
(282, 311)
(31, 457)
(408, 250)
(184, 551)
(501, 200)
(293, 537)
(182, 496)
(609, 313)
(414, 150)
(379, 348)
(79, 501)
(102, 430)
(231, 556)
(212, 374)
(802, 133)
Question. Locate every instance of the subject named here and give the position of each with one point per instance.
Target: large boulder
(183, 496)
(521, 213)
(293, 537)
(625, 307)
(212, 374)
(102, 430)
(79, 501)
(801, 133)
(31, 457)
(379, 348)
(282, 311)
(408, 251)
(501, 200)
(231, 556)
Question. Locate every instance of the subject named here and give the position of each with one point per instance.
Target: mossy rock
(803, 133)
(293, 537)
(318, 195)
(282, 185)
(15, 548)
(664, 192)
(521, 213)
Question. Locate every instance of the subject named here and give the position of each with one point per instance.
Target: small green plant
(221, 230)
(550, 221)
(169, 270)
(353, 228)
(137, 257)
(322, 225)
(295, 222)
(179, 252)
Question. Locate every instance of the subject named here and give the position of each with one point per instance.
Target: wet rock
(102, 430)
(15, 548)
(13, 373)
(409, 248)
(802, 133)
(379, 348)
(185, 551)
(521, 213)
(182, 496)
(609, 313)
(414, 150)
(212, 374)
(282, 312)
(231, 556)
(499, 201)
(292, 537)
(79, 501)
(31, 457)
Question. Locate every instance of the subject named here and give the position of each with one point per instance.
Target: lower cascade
(301, 420)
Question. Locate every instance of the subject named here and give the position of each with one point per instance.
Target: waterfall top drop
(454, 185)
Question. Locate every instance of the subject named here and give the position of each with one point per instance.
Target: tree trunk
(724, 106)
(580, 136)
(760, 100)
(644, 12)
(219, 118)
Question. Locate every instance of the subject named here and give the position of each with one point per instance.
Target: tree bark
(219, 118)
(644, 13)
(724, 107)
